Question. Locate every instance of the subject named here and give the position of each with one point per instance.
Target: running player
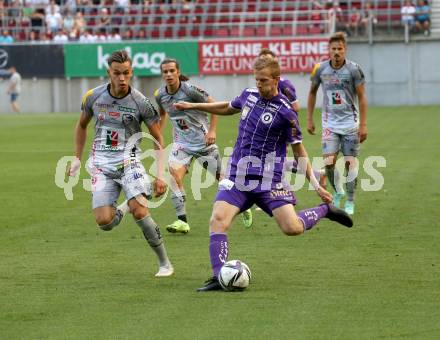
(118, 111)
(344, 126)
(193, 136)
(255, 171)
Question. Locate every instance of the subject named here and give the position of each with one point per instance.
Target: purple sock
(218, 251)
(310, 217)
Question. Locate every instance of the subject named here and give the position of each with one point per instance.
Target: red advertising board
(237, 56)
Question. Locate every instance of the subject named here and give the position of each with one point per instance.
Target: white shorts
(208, 157)
(333, 142)
(106, 186)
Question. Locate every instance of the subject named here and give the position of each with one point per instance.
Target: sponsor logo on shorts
(280, 193)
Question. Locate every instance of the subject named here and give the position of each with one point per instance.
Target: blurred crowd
(114, 20)
(74, 20)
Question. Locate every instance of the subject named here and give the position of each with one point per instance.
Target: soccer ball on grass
(234, 275)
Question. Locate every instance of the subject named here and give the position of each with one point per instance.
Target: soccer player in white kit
(344, 125)
(194, 136)
(114, 163)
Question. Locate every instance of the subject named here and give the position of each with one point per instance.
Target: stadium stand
(96, 20)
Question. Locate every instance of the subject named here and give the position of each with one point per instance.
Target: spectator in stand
(15, 8)
(408, 10)
(128, 34)
(6, 38)
(102, 35)
(422, 17)
(88, 37)
(52, 7)
(122, 6)
(37, 18)
(335, 17)
(60, 37)
(368, 17)
(114, 36)
(142, 34)
(54, 21)
(104, 20)
(79, 26)
(353, 22)
(68, 21)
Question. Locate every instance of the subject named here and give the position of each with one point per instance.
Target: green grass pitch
(62, 278)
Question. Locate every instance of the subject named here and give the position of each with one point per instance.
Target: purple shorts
(267, 200)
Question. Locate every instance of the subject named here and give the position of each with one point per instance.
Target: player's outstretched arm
(218, 108)
(363, 132)
(311, 102)
(212, 134)
(305, 167)
(160, 186)
(163, 119)
(80, 141)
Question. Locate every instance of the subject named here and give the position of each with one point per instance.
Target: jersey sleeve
(157, 99)
(294, 134)
(358, 75)
(197, 94)
(149, 113)
(237, 102)
(87, 103)
(288, 89)
(315, 76)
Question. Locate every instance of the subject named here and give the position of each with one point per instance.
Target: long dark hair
(171, 60)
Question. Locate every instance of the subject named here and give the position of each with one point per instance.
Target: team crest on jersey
(245, 112)
(126, 118)
(267, 118)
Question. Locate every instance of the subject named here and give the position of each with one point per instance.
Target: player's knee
(104, 222)
(218, 222)
(139, 212)
(292, 228)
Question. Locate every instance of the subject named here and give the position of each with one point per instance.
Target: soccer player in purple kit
(255, 170)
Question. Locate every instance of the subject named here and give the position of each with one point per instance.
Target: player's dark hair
(338, 36)
(171, 60)
(120, 56)
(261, 63)
(266, 51)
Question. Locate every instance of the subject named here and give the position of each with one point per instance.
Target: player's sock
(116, 220)
(309, 217)
(350, 188)
(179, 197)
(154, 238)
(330, 173)
(182, 218)
(218, 251)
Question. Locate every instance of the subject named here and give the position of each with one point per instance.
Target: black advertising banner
(40, 61)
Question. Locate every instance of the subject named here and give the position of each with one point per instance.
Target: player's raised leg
(222, 215)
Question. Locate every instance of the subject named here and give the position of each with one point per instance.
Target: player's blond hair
(272, 64)
(338, 37)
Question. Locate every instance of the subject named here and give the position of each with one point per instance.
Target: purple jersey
(286, 88)
(265, 129)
